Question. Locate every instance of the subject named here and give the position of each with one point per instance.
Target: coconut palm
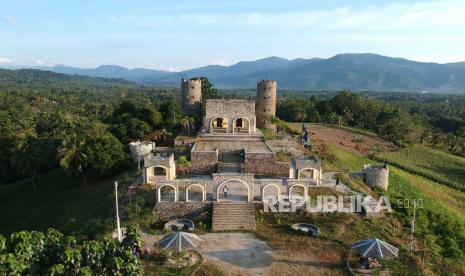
(27, 160)
(191, 124)
(301, 116)
(73, 156)
(164, 133)
(185, 123)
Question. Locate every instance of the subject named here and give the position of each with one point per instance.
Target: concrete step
(229, 216)
(228, 167)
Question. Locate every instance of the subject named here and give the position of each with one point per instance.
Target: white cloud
(41, 62)
(10, 20)
(4, 60)
(423, 16)
(219, 62)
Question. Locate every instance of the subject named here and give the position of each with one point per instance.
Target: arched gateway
(237, 191)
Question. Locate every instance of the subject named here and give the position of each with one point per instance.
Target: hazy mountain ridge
(369, 72)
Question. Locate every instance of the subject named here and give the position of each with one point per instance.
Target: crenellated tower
(191, 96)
(265, 103)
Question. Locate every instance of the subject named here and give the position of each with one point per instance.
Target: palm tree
(26, 161)
(185, 123)
(164, 133)
(190, 124)
(301, 116)
(73, 156)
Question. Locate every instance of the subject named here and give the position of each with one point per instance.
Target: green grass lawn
(433, 164)
(441, 214)
(61, 201)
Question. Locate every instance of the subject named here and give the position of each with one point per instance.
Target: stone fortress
(230, 151)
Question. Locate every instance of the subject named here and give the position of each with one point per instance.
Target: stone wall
(204, 162)
(376, 175)
(175, 210)
(282, 168)
(260, 163)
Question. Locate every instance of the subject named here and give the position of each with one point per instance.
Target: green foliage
(2, 244)
(61, 202)
(106, 154)
(131, 237)
(283, 156)
(208, 91)
(36, 253)
(435, 165)
(171, 111)
(183, 161)
(40, 111)
(349, 109)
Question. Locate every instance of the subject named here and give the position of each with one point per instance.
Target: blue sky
(176, 35)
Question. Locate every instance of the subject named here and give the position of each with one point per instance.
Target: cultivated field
(435, 165)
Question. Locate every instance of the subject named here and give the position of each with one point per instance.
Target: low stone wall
(260, 163)
(175, 210)
(204, 162)
(282, 168)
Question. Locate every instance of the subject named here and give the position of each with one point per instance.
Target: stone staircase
(231, 137)
(229, 161)
(229, 216)
(229, 167)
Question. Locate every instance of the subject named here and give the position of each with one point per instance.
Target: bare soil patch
(343, 138)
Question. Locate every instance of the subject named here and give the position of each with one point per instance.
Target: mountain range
(361, 72)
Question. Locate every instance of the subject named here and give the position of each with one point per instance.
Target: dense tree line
(82, 124)
(52, 253)
(399, 123)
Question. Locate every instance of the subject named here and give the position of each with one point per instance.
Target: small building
(159, 167)
(306, 168)
(140, 149)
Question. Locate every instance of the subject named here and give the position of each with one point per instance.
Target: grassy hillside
(440, 227)
(62, 202)
(432, 164)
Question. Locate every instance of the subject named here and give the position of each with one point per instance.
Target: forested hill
(39, 78)
(357, 72)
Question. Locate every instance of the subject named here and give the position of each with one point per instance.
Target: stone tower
(191, 96)
(265, 103)
(376, 175)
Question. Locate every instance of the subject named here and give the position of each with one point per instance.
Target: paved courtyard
(237, 253)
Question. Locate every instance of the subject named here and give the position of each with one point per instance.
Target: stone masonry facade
(170, 210)
(204, 162)
(230, 110)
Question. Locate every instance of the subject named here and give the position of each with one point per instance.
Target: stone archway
(307, 173)
(305, 191)
(241, 125)
(238, 190)
(203, 193)
(219, 125)
(164, 196)
(277, 193)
